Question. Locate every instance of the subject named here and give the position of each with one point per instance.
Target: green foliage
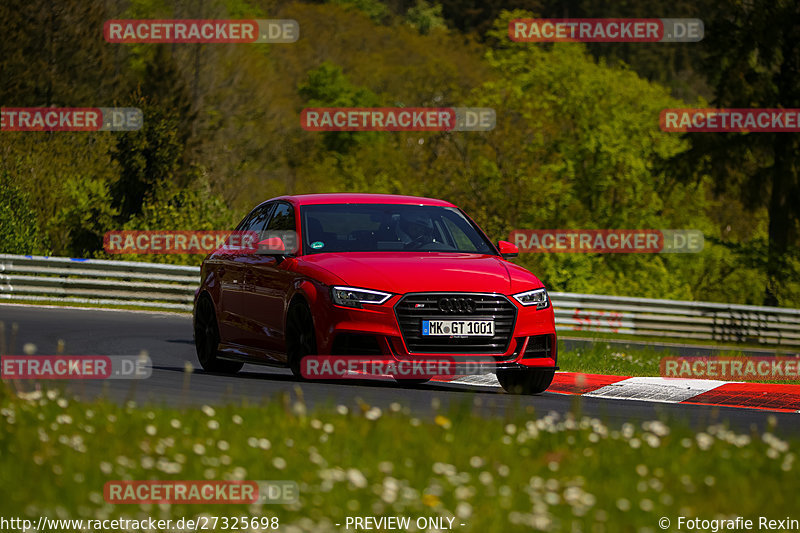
(677, 66)
(577, 143)
(753, 64)
(53, 54)
(84, 214)
(576, 147)
(66, 177)
(149, 159)
(374, 9)
(327, 86)
(18, 229)
(195, 209)
(425, 17)
(478, 16)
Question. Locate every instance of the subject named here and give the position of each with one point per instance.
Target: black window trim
(270, 205)
(272, 214)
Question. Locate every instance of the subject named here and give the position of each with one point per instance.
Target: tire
(301, 337)
(206, 339)
(525, 381)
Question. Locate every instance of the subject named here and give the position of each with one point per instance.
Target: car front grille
(412, 309)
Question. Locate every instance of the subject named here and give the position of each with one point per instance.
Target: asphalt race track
(167, 338)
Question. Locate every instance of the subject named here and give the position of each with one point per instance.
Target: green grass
(611, 359)
(619, 360)
(512, 473)
(676, 339)
(67, 304)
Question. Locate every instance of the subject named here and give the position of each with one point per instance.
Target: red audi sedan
(398, 277)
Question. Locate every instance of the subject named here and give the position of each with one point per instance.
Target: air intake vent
(538, 346)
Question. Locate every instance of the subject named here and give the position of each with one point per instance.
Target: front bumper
(530, 341)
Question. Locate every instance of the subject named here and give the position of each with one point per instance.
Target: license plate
(460, 328)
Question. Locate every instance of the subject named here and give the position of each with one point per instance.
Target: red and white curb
(767, 396)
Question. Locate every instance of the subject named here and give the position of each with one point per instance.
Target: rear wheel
(525, 381)
(300, 336)
(206, 339)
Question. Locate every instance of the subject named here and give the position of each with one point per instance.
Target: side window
(282, 225)
(257, 219)
(462, 241)
(282, 219)
(245, 221)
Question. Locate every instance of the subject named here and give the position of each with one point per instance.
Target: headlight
(353, 297)
(537, 297)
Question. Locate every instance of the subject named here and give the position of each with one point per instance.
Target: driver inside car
(415, 228)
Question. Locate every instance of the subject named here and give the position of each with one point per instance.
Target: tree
(54, 54)
(425, 17)
(327, 86)
(193, 208)
(149, 159)
(576, 146)
(755, 63)
(66, 177)
(19, 231)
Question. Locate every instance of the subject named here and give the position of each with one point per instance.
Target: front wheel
(300, 336)
(206, 340)
(525, 381)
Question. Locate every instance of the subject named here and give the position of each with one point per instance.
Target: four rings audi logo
(457, 305)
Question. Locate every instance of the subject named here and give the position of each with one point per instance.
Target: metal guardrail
(97, 282)
(172, 287)
(676, 319)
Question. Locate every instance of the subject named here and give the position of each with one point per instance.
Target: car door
(233, 318)
(269, 279)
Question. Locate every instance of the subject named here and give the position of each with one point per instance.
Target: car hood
(402, 273)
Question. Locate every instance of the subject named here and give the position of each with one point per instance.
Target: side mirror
(507, 249)
(271, 246)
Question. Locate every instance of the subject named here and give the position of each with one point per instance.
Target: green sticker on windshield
(317, 244)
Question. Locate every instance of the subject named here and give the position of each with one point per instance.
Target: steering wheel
(418, 242)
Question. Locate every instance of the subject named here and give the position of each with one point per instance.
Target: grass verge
(69, 304)
(620, 360)
(516, 473)
(743, 344)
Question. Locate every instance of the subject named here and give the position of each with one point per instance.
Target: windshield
(386, 228)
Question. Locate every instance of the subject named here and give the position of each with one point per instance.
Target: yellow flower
(431, 500)
(443, 421)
